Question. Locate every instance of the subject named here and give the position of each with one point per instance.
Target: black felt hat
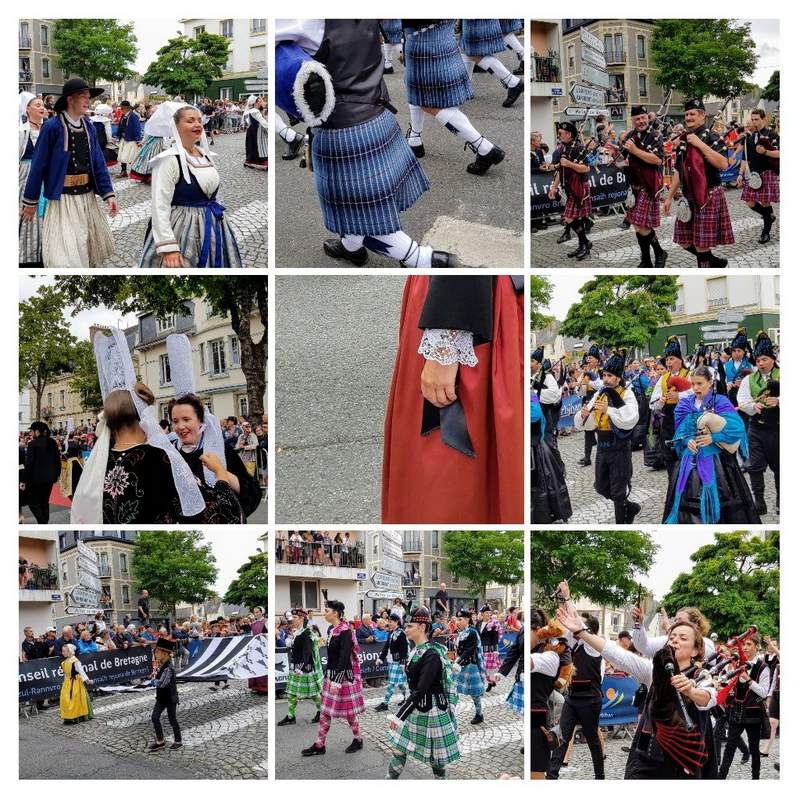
(694, 102)
(73, 86)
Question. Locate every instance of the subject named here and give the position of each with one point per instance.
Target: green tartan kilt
(429, 736)
(304, 686)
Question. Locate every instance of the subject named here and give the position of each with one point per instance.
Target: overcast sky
(565, 292)
(766, 35)
(673, 556)
(152, 34)
(231, 547)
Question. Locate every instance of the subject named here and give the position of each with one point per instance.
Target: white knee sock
(514, 44)
(283, 130)
(417, 123)
(491, 64)
(352, 242)
(468, 63)
(395, 50)
(400, 246)
(387, 55)
(456, 122)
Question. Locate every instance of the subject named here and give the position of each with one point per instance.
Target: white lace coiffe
(115, 371)
(179, 351)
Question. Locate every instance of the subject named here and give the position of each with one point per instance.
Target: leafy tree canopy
(484, 557)
(95, 49)
(187, 65)
(541, 294)
(250, 587)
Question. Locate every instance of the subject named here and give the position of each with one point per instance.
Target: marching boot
(620, 510)
(293, 148)
(586, 461)
(717, 262)
(417, 149)
(577, 226)
(658, 251)
(585, 247)
(382, 707)
(520, 70)
(354, 746)
(769, 218)
(287, 720)
(631, 510)
(481, 163)
(513, 93)
(476, 720)
(644, 247)
(565, 236)
(757, 482)
(335, 249)
(313, 750)
(315, 719)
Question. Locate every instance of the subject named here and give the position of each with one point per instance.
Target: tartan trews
(429, 736)
(435, 74)
(366, 175)
(481, 37)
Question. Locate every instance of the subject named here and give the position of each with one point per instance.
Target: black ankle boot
(313, 750)
(520, 70)
(565, 236)
(769, 218)
(761, 505)
(631, 510)
(293, 148)
(481, 163)
(354, 746)
(644, 248)
(513, 93)
(417, 149)
(335, 249)
(717, 262)
(287, 720)
(658, 251)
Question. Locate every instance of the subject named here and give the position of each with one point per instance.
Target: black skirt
(735, 500)
(549, 495)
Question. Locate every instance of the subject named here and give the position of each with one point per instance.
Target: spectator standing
(42, 470)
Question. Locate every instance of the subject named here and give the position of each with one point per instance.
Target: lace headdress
(162, 123)
(180, 366)
(115, 371)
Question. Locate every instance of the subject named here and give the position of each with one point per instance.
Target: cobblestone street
(224, 735)
(649, 488)
(487, 751)
(614, 247)
(242, 191)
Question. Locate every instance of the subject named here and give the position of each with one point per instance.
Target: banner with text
(619, 692)
(370, 653)
(609, 186)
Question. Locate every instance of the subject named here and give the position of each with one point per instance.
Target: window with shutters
(217, 363)
(165, 375)
(717, 292)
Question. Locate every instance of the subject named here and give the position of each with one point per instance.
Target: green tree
(46, 346)
(237, 299)
(174, 566)
(485, 557)
(602, 566)
(95, 49)
(621, 310)
(703, 57)
(186, 65)
(772, 91)
(541, 294)
(250, 587)
(735, 582)
(84, 376)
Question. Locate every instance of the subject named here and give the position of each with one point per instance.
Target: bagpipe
(754, 180)
(577, 152)
(732, 675)
(538, 381)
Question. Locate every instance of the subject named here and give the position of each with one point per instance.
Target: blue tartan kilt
(435, 74)
(510, 25)
(516, 698)
(365, 176)
(393, 30)
(471, 681)
(481, 37)
(397, 674)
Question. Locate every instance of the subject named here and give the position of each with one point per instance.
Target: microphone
(687, 720)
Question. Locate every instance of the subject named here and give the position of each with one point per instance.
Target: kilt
(392, 30)
(429, 736)
(397, 674)
(435, 75)
(481, 37)
(491, 659)
(347, 702)
(365, 176)
(708, 226)
(516, 697)
(471, 681)
(305, 686)
(646, 212)
(510, 25)
(574, 209)
(768, 193)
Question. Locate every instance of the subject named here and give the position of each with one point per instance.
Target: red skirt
(708, 226)
(769, 192)
(575, 209)
(645, 213)
(424, 480)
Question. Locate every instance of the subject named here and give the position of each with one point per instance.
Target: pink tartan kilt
(347, 702)
(709, 226)
(769, 192)
(491, 659)
(575, 209)
(645, 213)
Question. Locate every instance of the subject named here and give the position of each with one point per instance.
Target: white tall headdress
(162, 123)
(180, 367)
(24, 99)
(115, 371)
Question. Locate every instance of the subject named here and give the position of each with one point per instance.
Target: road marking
(476, 244)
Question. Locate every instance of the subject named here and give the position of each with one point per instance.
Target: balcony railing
(24, 42)
(615, 56)
(39, 577)
(718, 302)
(25, 76)
(104, 570)
(320, 554)
(547, 69)
(616, 96)
(412, 580)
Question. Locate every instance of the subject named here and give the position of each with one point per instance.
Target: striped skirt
(189, 226)
(304, 686)
(575, 209)
(511, 25)
(481, 37)
(366, 175)
(347, 702)
(709, 226)
(75, 232)
(471, 681)
(769, 192)
(393, 30)
(516, 698)
(646, 213)
(397, 674)
(435, 74)
(128, 152)
(429, 736)
(151, 147)
(491, 659)
(30, 233)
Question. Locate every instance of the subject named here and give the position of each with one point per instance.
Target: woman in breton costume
(134, 474)
(453, 436)
(74, 703)
(671, 739)
(101, 119)
(153, 145)
(707, 485)
(256, 141)
(31, 115)
(549, 494)
(481, 39)
(201, 444)
(188, 227)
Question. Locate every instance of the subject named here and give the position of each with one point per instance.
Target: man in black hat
(546, 387)
(69, 169)
(644, 151)
(166, 696)
(130, 134)
(590, 383)
(613, 412)
(573, 174)
(42, 470)
(701, 156)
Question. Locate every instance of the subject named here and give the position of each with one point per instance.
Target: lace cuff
(448, 347)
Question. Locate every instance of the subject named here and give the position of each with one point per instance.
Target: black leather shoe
(354, 746)
(313, 750)
(585, 462)
(382, 707)
(631, 510)
(585, 252)
(316, 718)
(520, 70)
(418, 150)
(476, 720)
(287, 720)
(335, 249)
(761, 506)
(439, 258)
(661, 259)
(293, 148)
(565, 236)
(645, 264)
(513, 94)
(718, 263)
(482, 163)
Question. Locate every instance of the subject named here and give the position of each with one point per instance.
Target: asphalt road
(481, 218)
(336, 339)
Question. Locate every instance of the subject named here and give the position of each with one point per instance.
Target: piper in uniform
(548, 391)
(590, 383)
(761, 158)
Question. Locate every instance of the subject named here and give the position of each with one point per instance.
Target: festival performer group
(366, 171)
(65, 158)
(696, 693)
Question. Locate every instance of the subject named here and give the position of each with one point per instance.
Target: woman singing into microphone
(670, 741)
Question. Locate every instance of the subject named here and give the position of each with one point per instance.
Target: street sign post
(730, 315)
(587, 95)
(379, 594)
(593, 57)
(595, 76)
(386, 581)
(718, 332)
(579, 111)
(591, 40)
